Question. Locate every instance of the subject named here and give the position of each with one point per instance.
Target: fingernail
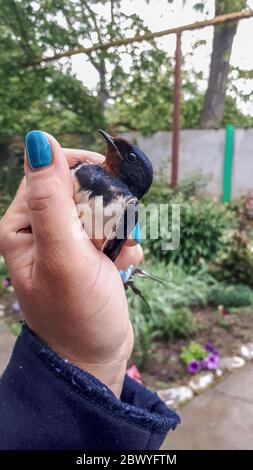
(125, 275)
(136, 233)
(38, 149)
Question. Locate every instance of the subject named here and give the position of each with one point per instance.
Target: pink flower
(134, 373)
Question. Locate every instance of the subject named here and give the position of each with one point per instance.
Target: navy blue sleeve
(47, 403)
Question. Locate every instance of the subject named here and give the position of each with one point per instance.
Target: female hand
(71, 294)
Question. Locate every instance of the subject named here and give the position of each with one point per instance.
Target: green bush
(162, 192)
(202, 227)
(178, 323)
(235, 261)
(238, 295)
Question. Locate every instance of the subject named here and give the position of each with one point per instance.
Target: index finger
(75, 156)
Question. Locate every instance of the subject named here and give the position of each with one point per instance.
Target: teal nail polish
(136, 233)
(38, 149)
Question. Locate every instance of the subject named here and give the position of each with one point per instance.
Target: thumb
(49, 193)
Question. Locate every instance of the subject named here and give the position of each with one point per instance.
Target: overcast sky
(159, 15)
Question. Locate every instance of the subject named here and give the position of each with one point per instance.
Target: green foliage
(179, 323)
(3, 269)
(162, 193)
(50, 97)
(191, 352)
(144, 335)
(235, 260)
(168, 315)
(202, 227)
(16, 328)
(145, 101)
(239, 295)
(232, 114)
(3, 272)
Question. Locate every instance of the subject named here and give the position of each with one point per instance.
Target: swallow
(120, 183)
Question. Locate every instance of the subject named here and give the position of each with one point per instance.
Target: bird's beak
(108, 139)
(110, 142)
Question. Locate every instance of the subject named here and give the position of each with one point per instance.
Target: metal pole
(176, 113)
(228, 163)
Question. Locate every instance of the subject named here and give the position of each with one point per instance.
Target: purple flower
(194, 366)
(6, 282)
(211, 362)
(209, 347)
(15, 307)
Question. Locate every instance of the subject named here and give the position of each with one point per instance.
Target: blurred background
(194, 330)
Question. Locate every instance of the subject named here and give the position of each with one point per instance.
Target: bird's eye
(131, 158)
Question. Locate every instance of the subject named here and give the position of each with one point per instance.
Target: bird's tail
(144, 274)
(128, 276)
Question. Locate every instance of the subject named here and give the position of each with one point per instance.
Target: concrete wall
(202, 153)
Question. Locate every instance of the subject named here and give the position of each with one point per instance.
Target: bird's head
(129, 163)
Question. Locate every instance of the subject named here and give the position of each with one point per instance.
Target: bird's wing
(122, 228)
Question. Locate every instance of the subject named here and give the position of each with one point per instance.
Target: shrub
(238, 295)
(202, 227)
(235, 260)
(178, 323)
(161, 191)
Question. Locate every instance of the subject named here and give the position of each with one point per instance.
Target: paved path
(220, 418)
(7, 340)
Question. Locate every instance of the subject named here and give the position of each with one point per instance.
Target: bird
(118, 184)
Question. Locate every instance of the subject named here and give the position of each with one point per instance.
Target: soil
(164, 368)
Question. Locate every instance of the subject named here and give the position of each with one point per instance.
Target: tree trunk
(103, 94)
(222, 46)
(215, 96)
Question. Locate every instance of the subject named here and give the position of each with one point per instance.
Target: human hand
(71, 294)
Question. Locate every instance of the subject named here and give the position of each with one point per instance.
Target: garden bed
(164, 367)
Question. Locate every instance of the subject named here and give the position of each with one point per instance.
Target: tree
(146, 104)
(70, 23)
(46, 96)
(55, 26)
(224, 34)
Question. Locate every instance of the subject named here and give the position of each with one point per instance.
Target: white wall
(202, 153)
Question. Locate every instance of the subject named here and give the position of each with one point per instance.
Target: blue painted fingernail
(38, 149)
(136, 233)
